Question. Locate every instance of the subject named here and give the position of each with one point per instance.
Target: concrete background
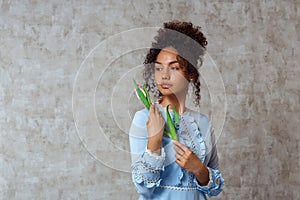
(64, 115)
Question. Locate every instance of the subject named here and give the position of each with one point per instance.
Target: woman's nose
(166, 74)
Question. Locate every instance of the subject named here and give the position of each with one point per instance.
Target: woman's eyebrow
(170, 63)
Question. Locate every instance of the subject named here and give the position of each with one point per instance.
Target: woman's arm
(207, 178)
(215, 181)
(147, 158)
(155, 128)
(188, 160)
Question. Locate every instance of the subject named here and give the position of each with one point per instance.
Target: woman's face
(169, 75)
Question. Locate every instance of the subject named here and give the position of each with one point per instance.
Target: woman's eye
(174, 68)
(158, 68)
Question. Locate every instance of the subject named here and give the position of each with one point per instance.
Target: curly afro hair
(190, 44)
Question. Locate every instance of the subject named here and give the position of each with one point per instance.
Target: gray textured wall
(57, 143)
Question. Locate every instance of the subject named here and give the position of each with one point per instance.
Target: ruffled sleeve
(146, 166)
(147, 170)
(214, 186)
(216, 181)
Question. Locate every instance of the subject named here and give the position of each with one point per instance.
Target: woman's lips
(165, 86)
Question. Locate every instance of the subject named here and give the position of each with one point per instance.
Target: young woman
(186, 168)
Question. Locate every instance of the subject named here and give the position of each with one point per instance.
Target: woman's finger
(178, 150)
(156, 109)
(181, 146)
(152, 109)
(178, 157)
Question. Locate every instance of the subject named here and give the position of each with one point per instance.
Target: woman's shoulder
(202, 120)
(200, 117)
(141, 117)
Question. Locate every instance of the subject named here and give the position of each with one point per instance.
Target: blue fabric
(158, 176)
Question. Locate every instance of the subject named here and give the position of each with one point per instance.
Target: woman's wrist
(156, 152)
(154, 145)
(202, 175)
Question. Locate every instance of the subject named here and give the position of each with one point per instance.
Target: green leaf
(145, 101)
(171, 125)
(176, 115)
(141, 95)
(147, 93)
(168, 134)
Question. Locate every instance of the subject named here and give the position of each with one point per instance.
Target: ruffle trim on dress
(154, 161)
(197, 141)
(141, 179)
(214, 186)
(147, 171)
(179, 177)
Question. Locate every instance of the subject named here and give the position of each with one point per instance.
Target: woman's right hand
(155, 127)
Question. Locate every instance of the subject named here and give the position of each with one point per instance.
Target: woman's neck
(177, 102)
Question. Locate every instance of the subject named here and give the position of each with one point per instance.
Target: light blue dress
(160, 177)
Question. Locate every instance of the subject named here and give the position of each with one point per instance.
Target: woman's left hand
(186, 158)
(189, 161)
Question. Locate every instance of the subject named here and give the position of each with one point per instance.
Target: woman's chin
(166, 92)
